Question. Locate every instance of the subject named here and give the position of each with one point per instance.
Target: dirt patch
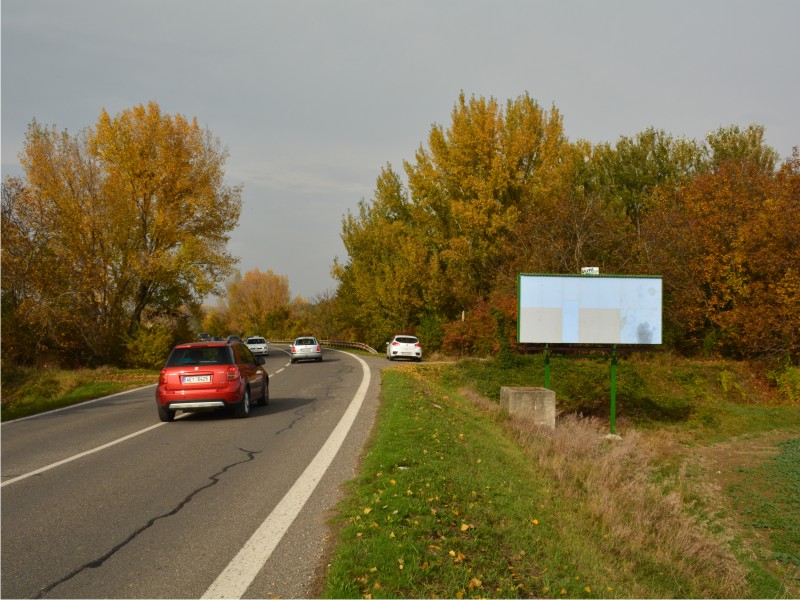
(724, 463)
(734, 465)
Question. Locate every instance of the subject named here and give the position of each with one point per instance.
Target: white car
(258, 346)
(404, 346)
(305, 348)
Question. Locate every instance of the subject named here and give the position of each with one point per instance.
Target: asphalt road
(102, 500)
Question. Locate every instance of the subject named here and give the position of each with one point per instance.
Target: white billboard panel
(596, 309)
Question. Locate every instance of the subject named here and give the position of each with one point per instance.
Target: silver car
(306, 348)
(258, 345)
(404, 346)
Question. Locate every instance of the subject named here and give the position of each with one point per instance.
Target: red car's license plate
(197, 379)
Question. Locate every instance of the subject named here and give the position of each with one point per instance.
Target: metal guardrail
(335, 344)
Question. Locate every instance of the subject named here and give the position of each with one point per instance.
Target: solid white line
(55, 410)
(245, 566)
(81, 455)
(88, 452)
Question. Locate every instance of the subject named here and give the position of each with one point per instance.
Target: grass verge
(456, 499)
(28, 391)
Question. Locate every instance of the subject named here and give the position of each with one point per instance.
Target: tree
(476, 182)
(166, 175)
(258, 303)
(636, 167)
(727, 245)
(426, 252)
(384, 285)
(128, 217)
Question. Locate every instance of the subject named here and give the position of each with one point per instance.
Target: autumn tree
(725, 243)
(423, 253)
(383, 287)
(127, 218)
(258, 303)
(474, 184)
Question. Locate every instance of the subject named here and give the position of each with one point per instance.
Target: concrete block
(536, 404)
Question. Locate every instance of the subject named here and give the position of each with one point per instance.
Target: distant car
(211, 375)
(233, 338)
(258, 345)
(306, 348)
(404, 346)
(204, 337)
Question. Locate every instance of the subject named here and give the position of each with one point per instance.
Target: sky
(312, 98)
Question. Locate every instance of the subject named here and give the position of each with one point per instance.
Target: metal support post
(614, 390)
(547, 366)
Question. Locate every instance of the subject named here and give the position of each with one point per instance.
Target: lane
(237, 577)
(164, 513)
(39, 441)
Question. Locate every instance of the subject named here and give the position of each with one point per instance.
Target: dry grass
(617, 482)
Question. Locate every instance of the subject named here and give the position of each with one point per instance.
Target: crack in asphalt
(300, 414)
(98, 562)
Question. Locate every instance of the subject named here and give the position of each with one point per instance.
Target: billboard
(589, 309)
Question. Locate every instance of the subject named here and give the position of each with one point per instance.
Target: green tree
(630, 172)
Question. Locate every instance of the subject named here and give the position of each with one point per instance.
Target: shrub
(149, 346)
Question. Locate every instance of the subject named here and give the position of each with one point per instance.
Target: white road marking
(93, 450)
(81, 455)
(55, 410)
(245, 566)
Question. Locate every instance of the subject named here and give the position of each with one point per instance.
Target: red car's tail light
(163, 377)
(233, 373)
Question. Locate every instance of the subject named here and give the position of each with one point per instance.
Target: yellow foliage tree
(258, 303)
(130, 216)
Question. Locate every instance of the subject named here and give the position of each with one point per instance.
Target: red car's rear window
(212, 355)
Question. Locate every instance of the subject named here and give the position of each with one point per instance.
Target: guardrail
(335, 344)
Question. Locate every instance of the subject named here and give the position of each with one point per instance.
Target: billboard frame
(603, 347)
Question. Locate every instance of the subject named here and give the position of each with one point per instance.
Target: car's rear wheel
(263, 400)
(242, 410)
(166, 415)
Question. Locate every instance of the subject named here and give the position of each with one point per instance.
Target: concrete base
(536, 404)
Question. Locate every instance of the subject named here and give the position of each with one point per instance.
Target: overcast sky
(313, 98)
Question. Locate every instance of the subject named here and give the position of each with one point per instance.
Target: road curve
(101, 500)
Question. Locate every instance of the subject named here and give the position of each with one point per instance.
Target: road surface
(104, 500)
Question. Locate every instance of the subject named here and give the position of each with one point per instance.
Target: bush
(149, 347)
(788, 382)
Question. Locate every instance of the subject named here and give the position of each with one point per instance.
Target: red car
(208, 375)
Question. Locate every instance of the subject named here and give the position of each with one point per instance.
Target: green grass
(766, 498)
(446, 507)
(456, 500)
(28, 391)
